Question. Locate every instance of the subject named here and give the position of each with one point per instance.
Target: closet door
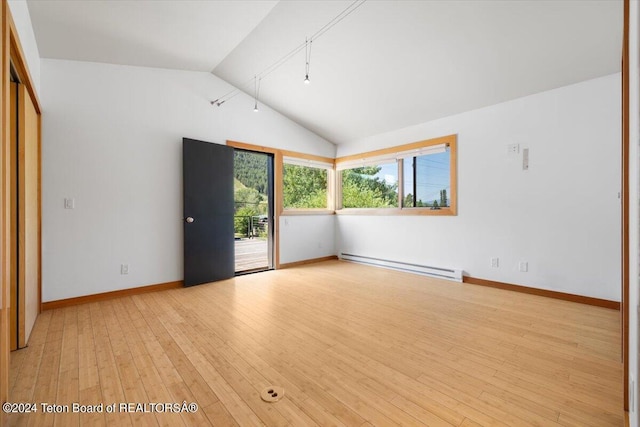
(28, 216)
(14, 308)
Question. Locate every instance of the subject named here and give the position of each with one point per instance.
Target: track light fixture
(307, 57)
(355, 4)
(256, 88)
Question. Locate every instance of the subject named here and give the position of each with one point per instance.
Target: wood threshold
(598, 302)
(308, 261)
(50, 305)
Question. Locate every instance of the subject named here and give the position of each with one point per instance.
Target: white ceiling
(179, 34)
(389, 65)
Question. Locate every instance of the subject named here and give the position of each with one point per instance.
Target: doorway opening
(254, 211)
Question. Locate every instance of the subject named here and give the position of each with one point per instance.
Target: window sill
(398, 211)
(293, 212)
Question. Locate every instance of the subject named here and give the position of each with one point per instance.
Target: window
(373, 186)
(417, 178)
(426, 181)
(305, 184)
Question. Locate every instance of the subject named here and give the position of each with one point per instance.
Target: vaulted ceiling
(387, 65)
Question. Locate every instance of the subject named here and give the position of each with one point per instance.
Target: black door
(208, 212)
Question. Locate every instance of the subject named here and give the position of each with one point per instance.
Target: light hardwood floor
(352, 345)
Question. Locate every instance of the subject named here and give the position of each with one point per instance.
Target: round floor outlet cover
(272, 393)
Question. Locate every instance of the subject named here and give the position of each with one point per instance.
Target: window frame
(308, 160)
(334, 181)
(399, 153)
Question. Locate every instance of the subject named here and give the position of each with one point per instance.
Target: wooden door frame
(12, 53)
(277, 192)
(625, 140)
(271, 190)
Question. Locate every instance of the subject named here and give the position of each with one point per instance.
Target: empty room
(335, 213)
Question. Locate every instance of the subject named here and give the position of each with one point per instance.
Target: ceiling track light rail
(306, 45)
(307, 57)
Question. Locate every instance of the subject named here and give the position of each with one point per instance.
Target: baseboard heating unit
(437, 272)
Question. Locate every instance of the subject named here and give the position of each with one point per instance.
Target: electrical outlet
(524, 266)
(69, 203)
(124, 268)
(495, 262)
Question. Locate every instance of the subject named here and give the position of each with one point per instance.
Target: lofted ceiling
(178, 34)
(388, 65)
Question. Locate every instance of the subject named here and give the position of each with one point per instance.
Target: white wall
(22, 19)
(112, 140)
(307, 237)
(562, 216)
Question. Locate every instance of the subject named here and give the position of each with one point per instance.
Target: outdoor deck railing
(249, 226)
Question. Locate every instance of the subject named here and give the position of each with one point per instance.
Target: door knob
(189, 219)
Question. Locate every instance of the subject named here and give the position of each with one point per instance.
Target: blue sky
(433, 176)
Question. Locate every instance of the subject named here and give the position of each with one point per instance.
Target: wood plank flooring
(351, 345)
